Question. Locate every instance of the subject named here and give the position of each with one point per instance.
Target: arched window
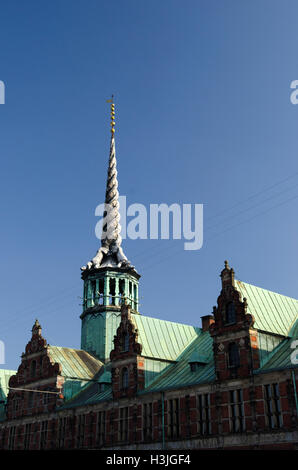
(230, 313)
(33, 368)
(125, 342)
(124, 381)
(234, 359)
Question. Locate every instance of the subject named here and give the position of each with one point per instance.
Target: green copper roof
(162, 339)
(280, 357)
(5, 375)
(75, 362)
(78, 368)
(89, 396)
(179, 374)
(105, 378)
(272, 312)
(198, 358)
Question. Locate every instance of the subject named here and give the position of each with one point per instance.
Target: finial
(36, 324)
(226, 264)
(112, 115)
(36, 329)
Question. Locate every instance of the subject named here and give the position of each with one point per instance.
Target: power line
(31, 390)
(54, 299)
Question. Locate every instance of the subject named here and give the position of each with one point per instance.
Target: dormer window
(230, 313)
(104, 381)
(197, 360)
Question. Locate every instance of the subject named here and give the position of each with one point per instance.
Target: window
(123, 424)
(46, 397)
(147, 421)
(81, 431)
(111, 425)
(3, 438)
(33, 368)
(11, 437)
(125, 342)
(93, 292)
(134, 423)
(273, 409)
(27, 436)
(124, 381)
(237, 418)
(30, 399)
(100, 429)
(15, 406)
(160, 414)
(230, 313)
(234, 359)
(173, 418)
(187, 406)
(61, 433)
(204, 422)
(43, 434)
(85, 295)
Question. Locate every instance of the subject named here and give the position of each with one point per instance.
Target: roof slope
(273, 312)
(75, 363)
(280, 357)
(179, 374)
(163, 339)
(5, 375)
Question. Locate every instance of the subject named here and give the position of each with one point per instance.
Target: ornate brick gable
(37, 372)
(235, 340)
(127, 363)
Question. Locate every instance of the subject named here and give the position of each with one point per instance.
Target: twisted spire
(112, 228)
(110, 253)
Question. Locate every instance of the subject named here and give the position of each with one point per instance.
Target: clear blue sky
(203, 116)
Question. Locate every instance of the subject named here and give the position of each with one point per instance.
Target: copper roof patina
(75, 363)
(273, 312)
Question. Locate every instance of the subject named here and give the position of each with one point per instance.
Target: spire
(110, 254)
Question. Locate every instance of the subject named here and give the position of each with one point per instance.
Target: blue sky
(203, 115)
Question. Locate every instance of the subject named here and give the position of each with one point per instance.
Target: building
(145, 383)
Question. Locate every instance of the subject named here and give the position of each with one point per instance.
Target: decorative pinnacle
(112, 114)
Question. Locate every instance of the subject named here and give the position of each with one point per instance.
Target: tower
(109, 277)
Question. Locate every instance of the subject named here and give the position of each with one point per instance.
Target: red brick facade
(194, 422)
(128, 365)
